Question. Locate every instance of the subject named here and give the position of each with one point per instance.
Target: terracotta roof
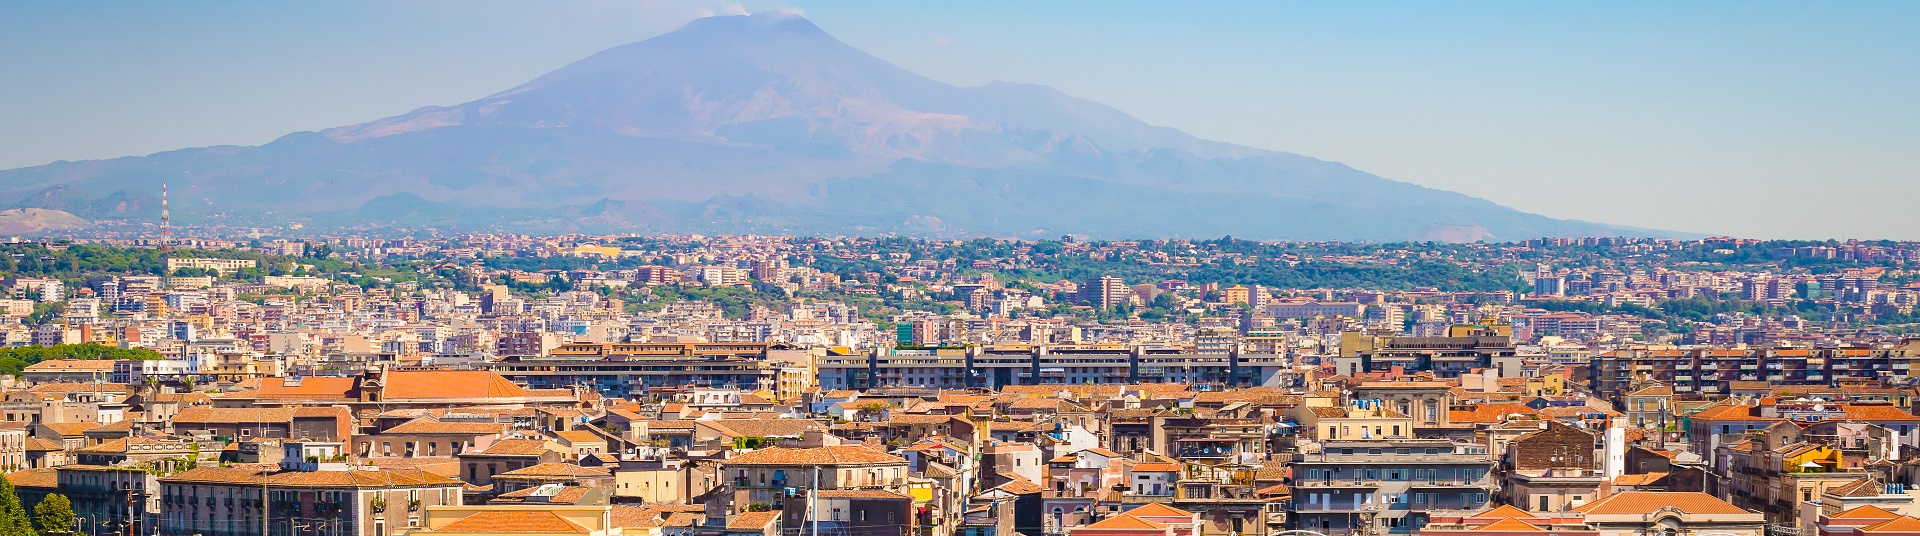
(1490, 412)
(1020, 486)
(1159, 510)
(1898, 524)
(69, 429)
(1730, 413)
(1642, 502)
(1155, 468)
(213, 415)
(565, 495)
(1502, 511)
(1510, 525)
(1865, 487)
(1877, 413)
(425, 425)
(764, 427)
(1657, 390)
(558, 470)
(45, 477)
(71, 365)
(753, 520)
(834, 455)
(1865, 512)
(75, 387)
(309, 388)
(1126, 521)
(437, 384)
(41, 444)
(1638, 480)
(518, 447)
(514, 521)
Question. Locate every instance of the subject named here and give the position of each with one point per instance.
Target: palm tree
(187, 381)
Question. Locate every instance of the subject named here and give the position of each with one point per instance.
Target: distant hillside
(30, 221)
(765, 123)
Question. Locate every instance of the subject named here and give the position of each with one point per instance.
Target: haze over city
(1769, 120)
(704, 268)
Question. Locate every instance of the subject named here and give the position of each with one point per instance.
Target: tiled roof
(514, 522)
(437, 384)
(309, 388)
(518, 447)
(1732, 412)
(45, 477)
(429, 426)
(834, 455)
(71, 365)
(1159, 510)
(1126, 521)
(76, 387)
(764, 427)
(1865, 487)
(1155, 468)
(213, 415)
(69, 429)
(1510, 525)
(1502, 511)
(558, 470)
(753, 520)
(1638, 480)
(1876, 412)
(1642, 502)
(1865, 512)
(1898, 524)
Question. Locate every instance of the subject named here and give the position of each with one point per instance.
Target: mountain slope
(766, 123)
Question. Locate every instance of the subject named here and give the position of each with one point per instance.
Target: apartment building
(1389, 486)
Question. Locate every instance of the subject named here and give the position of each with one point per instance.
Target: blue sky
(1765, 119)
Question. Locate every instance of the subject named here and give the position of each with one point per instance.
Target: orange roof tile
(834, 455)
(1510, 525)
(436, 384)
(1159, 510)
(1642, 502)
(1898, 524)
(1126, 521)
(515, 521)
(1865, 512)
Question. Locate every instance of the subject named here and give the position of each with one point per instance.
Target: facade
(1388, 486)
(632, 368)
(999, 366)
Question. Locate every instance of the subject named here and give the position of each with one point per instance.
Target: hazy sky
(1764, 119)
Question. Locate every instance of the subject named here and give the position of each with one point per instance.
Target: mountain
(32, 221)
(765, 123)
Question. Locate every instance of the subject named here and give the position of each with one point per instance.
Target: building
(301, 498)
(762, 476)
(1387, 486)
(222, 266)
(623, 369)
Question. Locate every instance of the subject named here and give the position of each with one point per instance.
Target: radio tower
(166, 225)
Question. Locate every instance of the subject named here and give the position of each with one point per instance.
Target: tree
(55, 515)
(13, 517)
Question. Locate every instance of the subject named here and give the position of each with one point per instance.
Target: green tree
(13, 516)
(55, 515)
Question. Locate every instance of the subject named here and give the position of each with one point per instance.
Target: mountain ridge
(765, 122)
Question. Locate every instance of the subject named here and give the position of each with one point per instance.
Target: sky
(1755, 118)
